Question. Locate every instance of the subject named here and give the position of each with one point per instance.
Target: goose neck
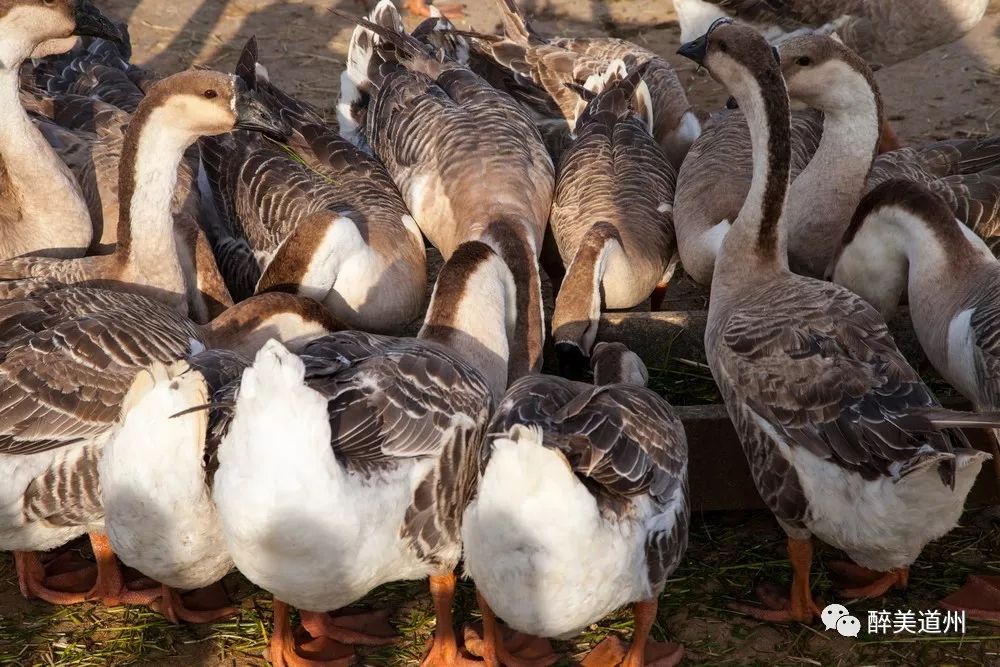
(756, 241)
(473, 311)
(146, 183)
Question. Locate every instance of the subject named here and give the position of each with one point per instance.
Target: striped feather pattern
(622, 441)
(393, 399)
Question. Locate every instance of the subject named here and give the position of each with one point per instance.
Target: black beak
(90, 22)
(695, 50)
(254, 115)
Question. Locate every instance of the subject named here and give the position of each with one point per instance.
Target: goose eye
(803, 61)
(210, 94)
(48, 3)
(723, 47)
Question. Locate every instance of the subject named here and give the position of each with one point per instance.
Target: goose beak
(90, 22)
(695, 50)
(252, 114)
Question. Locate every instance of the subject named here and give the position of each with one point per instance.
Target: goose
(466, 158)
(824, 74)
(883, 32)
(611, 216)
(69, 357)
(903, 236)
(165, 525)
(844, 440)
(581, 508)
(539, 68)
(327, 223)
(170, 118)
(52, 220)
(380, 437)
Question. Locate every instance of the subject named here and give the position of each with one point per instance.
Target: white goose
(69, 358)
(349, 466)
(42, 210)
(582, 508)
(844, 440)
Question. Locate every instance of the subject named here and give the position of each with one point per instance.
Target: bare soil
(948, 92)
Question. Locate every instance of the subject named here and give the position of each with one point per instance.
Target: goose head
(614, 363)
(735, 55)
(25, 24)
(198, 103)
(822, 73)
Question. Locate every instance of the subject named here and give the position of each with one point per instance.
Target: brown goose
(611, 217)
(844, 440)
(539, 68)
(170, 118)
(883, 32)
(42, 211)
(581, 508)
(68, 360)
(466, 158)
(827, 76)
(327, 223)
(903, 236)
(380, 460)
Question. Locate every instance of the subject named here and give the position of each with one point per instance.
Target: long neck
(824, 196)
(36, 177)
(147, 178)
(290, 319)
(895, 247)
(473, 311)
(756, 242)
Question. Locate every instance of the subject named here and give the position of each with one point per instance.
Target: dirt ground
(948, 92)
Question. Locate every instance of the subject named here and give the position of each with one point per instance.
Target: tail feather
(515, 25)
(933, 419)
(615, 93)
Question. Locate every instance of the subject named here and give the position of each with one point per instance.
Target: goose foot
(612, 651)
(644, 652)
(854, 582)
(778, 607)
(298, 649)
(203, 605)
(498, 645)
(351, 626)
(75, 580)
(443, 650)
(451, 10)
(979, 598)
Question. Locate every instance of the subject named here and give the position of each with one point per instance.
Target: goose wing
(623, 441)
(64, 383)
(814, 366)
(392, 399)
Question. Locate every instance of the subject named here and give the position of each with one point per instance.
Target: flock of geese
(204, 283)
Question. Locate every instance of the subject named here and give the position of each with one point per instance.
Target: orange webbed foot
(854, 582)
(297, 648)
(979, 598)
(515, 649)
(204, 605)
(450, 10)
(613, 652)
(777, 607)
(351, 626)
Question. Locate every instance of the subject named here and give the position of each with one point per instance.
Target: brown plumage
(466, 158)
(281, 206)
(611, 217)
